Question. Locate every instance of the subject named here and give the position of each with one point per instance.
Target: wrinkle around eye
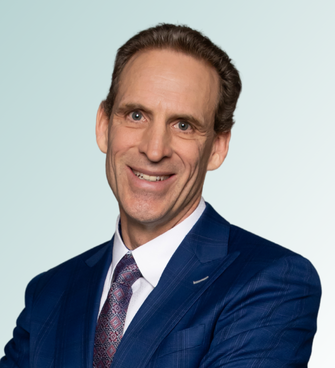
(189, 130)
(129, 116)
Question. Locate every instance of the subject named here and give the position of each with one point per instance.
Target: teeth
(149, 178)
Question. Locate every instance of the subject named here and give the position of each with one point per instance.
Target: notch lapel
(199, 260)
(78, 315)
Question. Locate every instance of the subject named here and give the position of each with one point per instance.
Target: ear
(101, 129)
(219, 150)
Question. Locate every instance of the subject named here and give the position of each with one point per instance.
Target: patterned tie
(109, 330)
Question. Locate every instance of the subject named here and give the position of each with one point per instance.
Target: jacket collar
(199, 260)
(80, 306)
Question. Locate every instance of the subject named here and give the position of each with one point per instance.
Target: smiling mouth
(150, 177)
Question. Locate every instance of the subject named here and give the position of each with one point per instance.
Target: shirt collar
(153, 256)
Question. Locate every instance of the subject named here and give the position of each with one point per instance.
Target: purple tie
(109, 330)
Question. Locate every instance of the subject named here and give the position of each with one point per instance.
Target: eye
(136, 115)
(182, 125)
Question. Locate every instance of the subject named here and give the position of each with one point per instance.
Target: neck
(136, 233)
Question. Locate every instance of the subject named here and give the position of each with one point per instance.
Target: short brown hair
(189, 41)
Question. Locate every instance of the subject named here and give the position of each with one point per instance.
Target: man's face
(160, 140)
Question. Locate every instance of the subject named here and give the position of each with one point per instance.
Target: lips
(150, 177)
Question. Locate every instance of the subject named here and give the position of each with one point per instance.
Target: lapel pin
(197, 282)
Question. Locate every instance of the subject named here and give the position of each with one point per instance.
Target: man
(177, 286)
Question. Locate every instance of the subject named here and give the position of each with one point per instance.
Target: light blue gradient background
(278, 180)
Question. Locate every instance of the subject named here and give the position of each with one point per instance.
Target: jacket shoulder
(61, 273)
(248, 242)
(261, 255)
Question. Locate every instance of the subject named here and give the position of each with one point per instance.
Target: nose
(156, 142)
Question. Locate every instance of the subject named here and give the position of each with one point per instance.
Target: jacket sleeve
(17, 349)
(270, 321)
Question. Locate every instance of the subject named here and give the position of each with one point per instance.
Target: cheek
(122, 137)
(118, 143)
(201, 157)
(193, 156)
(113, 157)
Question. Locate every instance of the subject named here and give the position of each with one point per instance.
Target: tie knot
(126, 272)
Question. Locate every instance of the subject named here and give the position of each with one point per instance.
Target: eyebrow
(188, 118)
(137, 106)
(131, 106)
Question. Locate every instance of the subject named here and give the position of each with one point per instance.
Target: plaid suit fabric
(257, 308)
(109, 330)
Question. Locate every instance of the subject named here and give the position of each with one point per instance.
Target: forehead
(170, 80)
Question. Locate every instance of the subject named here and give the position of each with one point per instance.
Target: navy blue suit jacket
(227, 298)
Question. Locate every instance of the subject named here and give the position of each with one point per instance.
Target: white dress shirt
(151, 259)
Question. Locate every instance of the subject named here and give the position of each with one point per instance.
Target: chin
(146, 212)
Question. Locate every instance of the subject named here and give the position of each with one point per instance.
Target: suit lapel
(75, 334)
(198, 262)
